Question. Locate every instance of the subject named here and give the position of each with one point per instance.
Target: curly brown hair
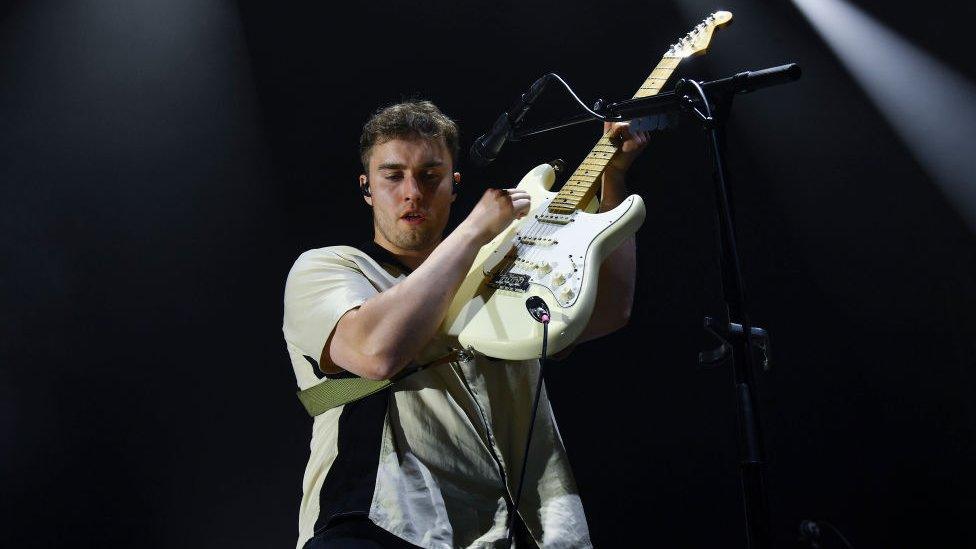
(408, 119)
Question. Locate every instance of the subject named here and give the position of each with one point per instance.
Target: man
(434, 461)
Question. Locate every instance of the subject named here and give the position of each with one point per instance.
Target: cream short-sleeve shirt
(435, 459)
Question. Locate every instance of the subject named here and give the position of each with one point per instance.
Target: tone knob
(559, 279)
(544, 267)
(566, 293)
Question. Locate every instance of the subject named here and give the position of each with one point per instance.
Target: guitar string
(538, 230)
(529, 243)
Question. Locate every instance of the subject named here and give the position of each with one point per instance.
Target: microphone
(486, 148)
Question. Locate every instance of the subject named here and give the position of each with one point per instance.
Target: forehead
(409, 152)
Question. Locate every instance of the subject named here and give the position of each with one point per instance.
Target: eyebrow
(398, 166)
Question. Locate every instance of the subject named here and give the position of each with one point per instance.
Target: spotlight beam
(931, 107)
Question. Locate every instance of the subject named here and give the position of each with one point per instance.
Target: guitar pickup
(556, 218)
(536, 241)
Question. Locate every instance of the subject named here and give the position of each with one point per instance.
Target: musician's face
(410, 183)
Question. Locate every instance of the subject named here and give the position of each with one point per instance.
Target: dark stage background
(163, 163)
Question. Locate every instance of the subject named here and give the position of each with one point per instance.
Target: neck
(410, 258)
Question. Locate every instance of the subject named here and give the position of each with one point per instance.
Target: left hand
(630, 145)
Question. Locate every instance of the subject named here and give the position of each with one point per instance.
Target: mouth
(413, 218)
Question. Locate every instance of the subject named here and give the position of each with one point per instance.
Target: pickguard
(548, 252)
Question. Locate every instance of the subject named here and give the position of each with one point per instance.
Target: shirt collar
(382, 255)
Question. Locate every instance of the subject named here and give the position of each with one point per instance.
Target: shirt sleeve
(321, 287)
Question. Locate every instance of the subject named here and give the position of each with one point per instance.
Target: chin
(415, 241)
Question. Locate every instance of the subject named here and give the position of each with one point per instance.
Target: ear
(362, 184)
(457, 181)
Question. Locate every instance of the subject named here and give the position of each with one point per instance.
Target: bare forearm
(615, 291)
(391, 328)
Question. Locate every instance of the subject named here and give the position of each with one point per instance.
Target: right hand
(496, 210)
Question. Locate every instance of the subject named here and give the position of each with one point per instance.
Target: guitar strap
(333, 392)
(330, 393)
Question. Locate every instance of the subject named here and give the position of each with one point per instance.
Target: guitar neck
(581, 187)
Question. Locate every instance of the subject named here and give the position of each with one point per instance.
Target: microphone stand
(710, 104)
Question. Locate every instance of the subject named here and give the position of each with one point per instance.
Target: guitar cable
(540, 312)
(569, 89)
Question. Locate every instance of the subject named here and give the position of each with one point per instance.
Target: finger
(623, 129)
(624, 134)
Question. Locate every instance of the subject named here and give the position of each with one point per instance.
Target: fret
(578, 189)
(577, 194)
(581, 177)
(573, 192)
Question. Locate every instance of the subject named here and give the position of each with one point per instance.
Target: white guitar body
(555, 253)
(554, 257)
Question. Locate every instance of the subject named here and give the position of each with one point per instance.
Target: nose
(411, 189)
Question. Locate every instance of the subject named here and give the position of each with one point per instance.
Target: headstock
(698, 39)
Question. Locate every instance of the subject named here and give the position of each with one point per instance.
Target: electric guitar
(556, 250)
